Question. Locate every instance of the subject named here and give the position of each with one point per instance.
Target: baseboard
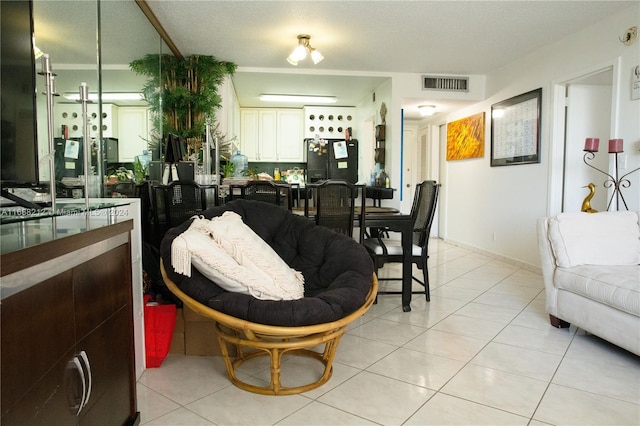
(500, 257)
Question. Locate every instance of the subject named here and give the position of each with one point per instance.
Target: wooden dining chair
(335, 205)
(385, 250)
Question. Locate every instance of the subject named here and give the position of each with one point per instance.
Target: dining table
(392, 220)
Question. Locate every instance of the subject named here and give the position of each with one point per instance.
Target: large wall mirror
(94, 42)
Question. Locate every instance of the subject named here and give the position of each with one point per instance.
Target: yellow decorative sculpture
(586, 204)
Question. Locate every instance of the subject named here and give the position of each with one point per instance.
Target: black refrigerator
(69, 155)
(332, 159)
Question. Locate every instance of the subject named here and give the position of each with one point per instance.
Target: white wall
(505, 202)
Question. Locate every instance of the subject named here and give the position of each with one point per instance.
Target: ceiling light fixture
(427, 110)
(300, 52)
(299, 98)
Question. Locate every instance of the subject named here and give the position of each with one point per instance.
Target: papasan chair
(339, 287)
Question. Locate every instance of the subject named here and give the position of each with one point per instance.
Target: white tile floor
(481, 352)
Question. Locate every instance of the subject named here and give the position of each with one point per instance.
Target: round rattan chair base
(252, 340)
(275, 387)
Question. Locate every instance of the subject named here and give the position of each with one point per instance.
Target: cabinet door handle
(76, 404)
(85, 360)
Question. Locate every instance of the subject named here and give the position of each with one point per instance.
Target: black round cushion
(337, 270)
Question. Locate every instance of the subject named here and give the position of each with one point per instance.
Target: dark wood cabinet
(67, 347)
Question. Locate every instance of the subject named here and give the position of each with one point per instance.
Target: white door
(410, 167)
(428, 144)
(442, 201)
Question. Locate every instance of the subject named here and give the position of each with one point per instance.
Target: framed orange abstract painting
(465, 138)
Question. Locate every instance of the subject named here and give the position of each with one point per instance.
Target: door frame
(558, 126)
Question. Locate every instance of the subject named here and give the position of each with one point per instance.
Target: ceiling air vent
(453, 84)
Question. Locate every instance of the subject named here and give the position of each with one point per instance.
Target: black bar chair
(385, 250)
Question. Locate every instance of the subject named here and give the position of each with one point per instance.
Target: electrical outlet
(494, 236)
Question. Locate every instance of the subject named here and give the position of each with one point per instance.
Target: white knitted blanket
(228, 252)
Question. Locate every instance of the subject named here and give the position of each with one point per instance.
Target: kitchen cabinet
(133, 132)
(289, 136)
(67, 327)
(272, 135)
(70, 115)
(258, 133)
(328, 122)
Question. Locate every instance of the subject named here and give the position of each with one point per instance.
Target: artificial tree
(182, 93)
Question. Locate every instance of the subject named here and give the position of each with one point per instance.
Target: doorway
(583, 108)
(410, 164)
(588, 116)
(429, 165)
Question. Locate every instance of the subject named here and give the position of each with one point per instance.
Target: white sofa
(591, 273)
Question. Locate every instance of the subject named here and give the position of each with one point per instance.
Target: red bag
(159, 323)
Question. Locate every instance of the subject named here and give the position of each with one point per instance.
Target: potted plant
(182, 93)
(139, 171)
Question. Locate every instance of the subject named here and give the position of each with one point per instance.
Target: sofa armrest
(547, 264)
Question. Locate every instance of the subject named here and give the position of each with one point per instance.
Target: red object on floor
(159, 323)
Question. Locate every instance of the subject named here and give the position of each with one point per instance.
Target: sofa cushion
(337, 270)
(607, 238)
(614, 286)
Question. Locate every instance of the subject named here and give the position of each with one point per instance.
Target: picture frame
(515, 130)
(465, 138)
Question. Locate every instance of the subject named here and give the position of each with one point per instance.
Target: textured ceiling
(362, 41)
(463, 37)
(368, 38)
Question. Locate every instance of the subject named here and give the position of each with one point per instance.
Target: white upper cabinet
(250, 133)
(70, 115)
(133, 132)
(290, 136)
(328, 122)
(272, 135)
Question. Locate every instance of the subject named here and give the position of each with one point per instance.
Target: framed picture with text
(515, 130)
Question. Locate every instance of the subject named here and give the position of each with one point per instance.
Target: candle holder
(615, 182)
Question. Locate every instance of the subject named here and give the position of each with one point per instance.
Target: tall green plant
(188, 89)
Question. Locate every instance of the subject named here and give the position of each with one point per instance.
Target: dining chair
(176, 203)
(263, 190)
(385, 250)
(335, 201)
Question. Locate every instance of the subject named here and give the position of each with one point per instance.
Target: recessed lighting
(299, 98)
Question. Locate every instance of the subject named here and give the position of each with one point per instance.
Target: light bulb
(299, 53)
(316, 56)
